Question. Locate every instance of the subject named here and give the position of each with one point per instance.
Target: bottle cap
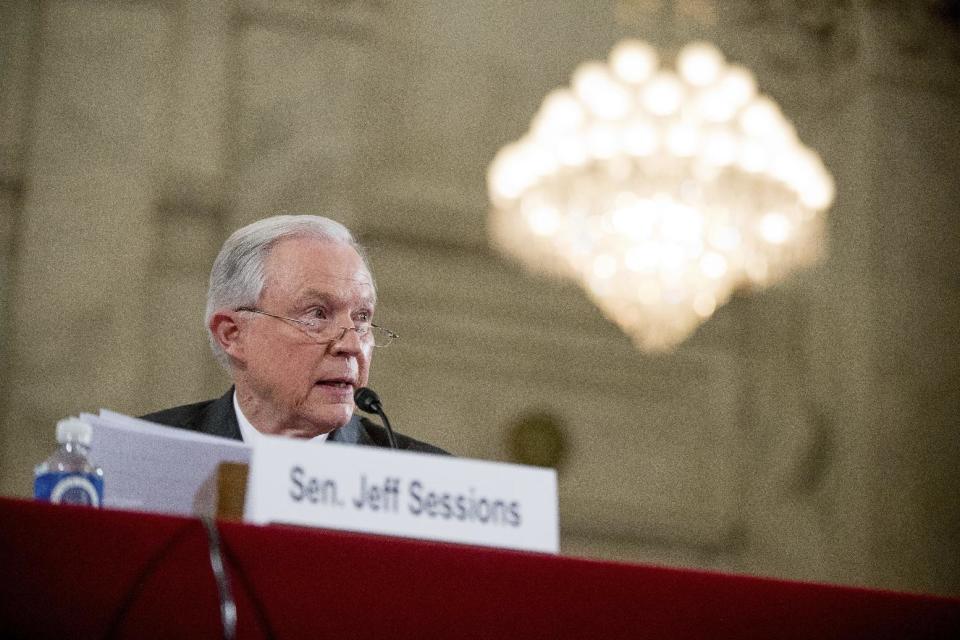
(74, 429)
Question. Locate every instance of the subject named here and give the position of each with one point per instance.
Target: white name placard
(401, 493)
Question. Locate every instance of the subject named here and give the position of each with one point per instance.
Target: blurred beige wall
(809, 431)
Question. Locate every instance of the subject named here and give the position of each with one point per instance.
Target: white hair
(238, 274)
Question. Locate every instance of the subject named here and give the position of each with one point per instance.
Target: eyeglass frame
(361, 331)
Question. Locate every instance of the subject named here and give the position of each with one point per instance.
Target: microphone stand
(367, 400)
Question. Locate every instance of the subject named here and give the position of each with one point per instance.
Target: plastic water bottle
(68, 476)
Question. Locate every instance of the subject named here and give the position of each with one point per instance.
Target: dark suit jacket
(217, 418)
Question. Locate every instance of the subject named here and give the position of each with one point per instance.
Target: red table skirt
(72, 572)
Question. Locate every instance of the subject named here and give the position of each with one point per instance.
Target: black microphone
(368, 400)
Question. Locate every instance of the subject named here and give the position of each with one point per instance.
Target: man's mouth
(341, 384)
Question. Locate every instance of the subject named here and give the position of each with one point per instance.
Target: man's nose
(347, 342)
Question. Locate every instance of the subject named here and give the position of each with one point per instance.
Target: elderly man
(290, 316)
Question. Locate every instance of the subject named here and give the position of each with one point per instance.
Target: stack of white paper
(150, 467)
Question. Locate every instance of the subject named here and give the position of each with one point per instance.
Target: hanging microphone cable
(368, 400)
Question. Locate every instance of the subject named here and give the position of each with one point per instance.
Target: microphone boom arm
(367, 400)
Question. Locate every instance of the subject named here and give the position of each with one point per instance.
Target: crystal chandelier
(660, 192)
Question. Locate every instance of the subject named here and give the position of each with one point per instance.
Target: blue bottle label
(69, 488)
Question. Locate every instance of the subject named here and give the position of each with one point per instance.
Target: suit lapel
(219, 418)
(352, 433)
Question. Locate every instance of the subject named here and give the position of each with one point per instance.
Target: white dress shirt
(249, 433)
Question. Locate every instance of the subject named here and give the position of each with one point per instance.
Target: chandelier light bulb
(762, 118)
(633, 61)
(561, 113)
(640, 137)
(700, 63)
(663, 95)
(738, 86)
(660, 191)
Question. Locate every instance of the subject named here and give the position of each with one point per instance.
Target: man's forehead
(312, 268)
(338, 291)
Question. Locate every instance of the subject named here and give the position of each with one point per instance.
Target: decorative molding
(13, 187)
(732, 539)
(820, 53)
(183, 196)
(913, 46)
(355, 20)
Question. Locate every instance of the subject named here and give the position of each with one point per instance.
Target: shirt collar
(249, 433)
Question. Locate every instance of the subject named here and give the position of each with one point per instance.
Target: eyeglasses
(325, 331)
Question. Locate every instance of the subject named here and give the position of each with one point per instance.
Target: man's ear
(225, 328)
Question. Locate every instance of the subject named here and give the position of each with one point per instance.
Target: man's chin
(331, 417)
